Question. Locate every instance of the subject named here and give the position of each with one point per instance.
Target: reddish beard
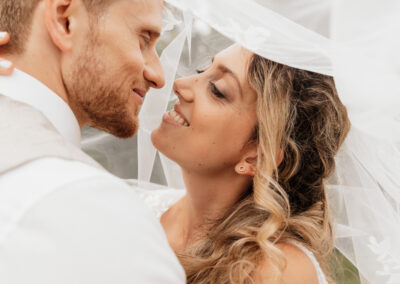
(95, 96)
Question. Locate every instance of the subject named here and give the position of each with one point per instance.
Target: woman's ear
(248, 164)
(58, 17)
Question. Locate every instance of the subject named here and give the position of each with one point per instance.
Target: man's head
(104, 50)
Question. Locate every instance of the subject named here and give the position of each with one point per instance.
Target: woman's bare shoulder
(299, 267)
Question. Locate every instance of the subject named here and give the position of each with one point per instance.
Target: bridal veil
(358, 43)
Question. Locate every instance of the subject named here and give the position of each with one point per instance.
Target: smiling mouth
(178, 118)
(139, 92)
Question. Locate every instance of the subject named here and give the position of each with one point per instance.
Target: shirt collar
(26, 89)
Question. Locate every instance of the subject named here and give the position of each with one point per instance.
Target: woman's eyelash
(215, 91)
(213, 87)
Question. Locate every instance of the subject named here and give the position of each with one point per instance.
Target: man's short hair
(16, 19)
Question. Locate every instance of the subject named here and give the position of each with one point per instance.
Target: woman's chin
(159, 141)
(155, 139)
(164, 144)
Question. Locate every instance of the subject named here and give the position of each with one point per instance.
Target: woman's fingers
(4, 38)
(6, 67)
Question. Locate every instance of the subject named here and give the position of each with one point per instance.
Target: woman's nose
(184, 89)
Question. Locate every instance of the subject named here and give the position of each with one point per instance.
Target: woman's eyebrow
(224, 69)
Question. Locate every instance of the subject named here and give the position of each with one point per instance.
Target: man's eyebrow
(228, 71)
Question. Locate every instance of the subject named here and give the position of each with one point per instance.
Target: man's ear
(247, 164)
(59, 14)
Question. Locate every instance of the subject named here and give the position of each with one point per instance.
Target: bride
(256, 148)
(256, 141)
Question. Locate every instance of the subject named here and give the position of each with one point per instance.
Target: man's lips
(139, 95)
(140, 92)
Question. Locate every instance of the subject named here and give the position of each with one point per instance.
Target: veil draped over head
(358, 43)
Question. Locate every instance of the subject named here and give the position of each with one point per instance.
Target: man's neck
(42, 69)
(46, 69)
(41, 58)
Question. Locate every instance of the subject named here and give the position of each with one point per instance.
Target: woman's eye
(198, 71)
(215, 91)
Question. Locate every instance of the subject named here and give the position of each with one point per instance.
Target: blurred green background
(343, 271)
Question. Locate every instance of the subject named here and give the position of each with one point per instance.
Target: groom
(64, 219)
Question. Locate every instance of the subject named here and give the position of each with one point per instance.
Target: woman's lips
(179, 113)
(175, 119)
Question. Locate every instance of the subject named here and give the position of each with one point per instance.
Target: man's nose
(154, 73)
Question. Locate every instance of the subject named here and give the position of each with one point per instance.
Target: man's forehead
(150, 11)
(156, 5)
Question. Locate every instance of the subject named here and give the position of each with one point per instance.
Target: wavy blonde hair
(299, 112)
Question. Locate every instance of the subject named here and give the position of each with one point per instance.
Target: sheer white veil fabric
(354, 42)
(357, 42)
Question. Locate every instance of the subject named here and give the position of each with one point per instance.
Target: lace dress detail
(161, 199)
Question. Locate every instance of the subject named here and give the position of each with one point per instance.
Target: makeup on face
(212, 119)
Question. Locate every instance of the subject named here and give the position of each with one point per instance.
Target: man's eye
(146, 39)
(215, 91)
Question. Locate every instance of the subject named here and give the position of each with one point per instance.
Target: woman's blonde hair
(299, 112)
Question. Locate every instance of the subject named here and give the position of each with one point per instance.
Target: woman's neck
(208, 198)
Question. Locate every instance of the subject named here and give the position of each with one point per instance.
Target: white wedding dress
(160, 198)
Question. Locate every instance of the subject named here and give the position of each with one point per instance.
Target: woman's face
(214, 118)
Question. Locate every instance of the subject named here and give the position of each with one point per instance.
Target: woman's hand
(6, 67)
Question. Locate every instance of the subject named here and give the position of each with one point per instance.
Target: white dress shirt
(64, 221)
(26, 89)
